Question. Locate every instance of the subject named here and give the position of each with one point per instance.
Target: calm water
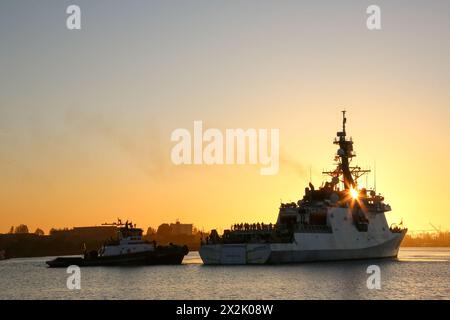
(418, 273)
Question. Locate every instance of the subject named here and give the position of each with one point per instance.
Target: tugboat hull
(167, 256)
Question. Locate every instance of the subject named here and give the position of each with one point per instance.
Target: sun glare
(354, 193)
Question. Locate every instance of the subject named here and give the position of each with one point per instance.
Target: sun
(354, 193)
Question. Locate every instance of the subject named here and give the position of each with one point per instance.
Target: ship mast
(345, 152)
(344, 156)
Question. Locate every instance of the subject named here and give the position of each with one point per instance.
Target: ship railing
(396, 228)
(251, 231)
(315, 229)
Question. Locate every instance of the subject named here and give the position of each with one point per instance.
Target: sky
(86, 115)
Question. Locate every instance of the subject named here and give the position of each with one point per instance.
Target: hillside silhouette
(19, 242)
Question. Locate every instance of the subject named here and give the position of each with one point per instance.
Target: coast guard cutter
(339, 221)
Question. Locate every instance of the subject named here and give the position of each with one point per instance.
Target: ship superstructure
(129, 241)
(338, 221)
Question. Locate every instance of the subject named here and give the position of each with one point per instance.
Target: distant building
(87, 232)
(181, 228)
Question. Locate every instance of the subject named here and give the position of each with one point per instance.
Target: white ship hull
(290, 253)
(344, 242)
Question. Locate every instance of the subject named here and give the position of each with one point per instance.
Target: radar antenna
(343, 158)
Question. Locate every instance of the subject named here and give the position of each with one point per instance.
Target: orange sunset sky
(86, 116)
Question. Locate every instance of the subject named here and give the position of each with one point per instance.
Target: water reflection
(418, 273)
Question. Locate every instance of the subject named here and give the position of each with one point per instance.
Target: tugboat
(339, 221)
(128, 249)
